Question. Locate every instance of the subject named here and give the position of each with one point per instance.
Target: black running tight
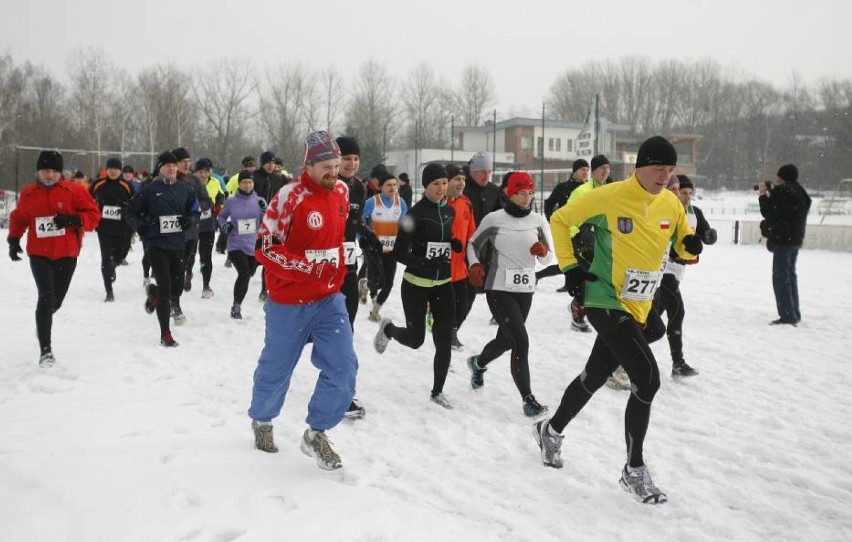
(442, 301)
(620, 341)
(167, 266)
(510, 310)
(52, 278)
(245, 266)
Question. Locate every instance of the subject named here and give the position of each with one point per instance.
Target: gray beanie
(481, 161)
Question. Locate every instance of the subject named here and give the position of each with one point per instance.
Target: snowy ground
(126, 440)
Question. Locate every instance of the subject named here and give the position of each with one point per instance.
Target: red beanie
(519, 180)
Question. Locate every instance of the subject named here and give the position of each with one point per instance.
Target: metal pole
(597, 124)
(542, 151)
(17, 156)
(494, 142)
(452, 137)
(416, 160)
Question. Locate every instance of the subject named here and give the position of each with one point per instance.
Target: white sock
(552, 432)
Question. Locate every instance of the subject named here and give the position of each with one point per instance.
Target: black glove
(693, 244)
(709, 237)
(63, 221)
(227, 228)
(456, 245)
(15, 249)
(576, 277)
(262, 204)
(185, 222)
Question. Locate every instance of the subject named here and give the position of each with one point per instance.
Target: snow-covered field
(126, 440)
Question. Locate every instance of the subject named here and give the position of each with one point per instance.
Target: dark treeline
(229, 108)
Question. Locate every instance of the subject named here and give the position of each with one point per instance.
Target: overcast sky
(525, 44)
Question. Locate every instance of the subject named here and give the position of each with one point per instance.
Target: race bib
(349, 256)
(640, 285)
(329, 255)
(111, 212)
(437, 250)
(520, 278)
(206, 214)
(246, 225)
(169, 224)
(387, 242)
(46, 228)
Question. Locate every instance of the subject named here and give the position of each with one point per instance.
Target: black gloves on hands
(456, 245)
(63, 221)
(693, 244)
(709, 237)
(227, 228)
(576, 277)
(185, 222)
(15, 249)
(370, 242)
(262, 204)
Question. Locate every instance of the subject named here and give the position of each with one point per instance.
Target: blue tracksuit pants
(288, 328)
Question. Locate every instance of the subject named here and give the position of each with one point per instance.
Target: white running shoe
(380, 342)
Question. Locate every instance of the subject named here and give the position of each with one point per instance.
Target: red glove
(216, 210)
(477, 275)
(538, 249)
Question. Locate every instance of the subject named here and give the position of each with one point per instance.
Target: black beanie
(166, 157)
(403, 177)
(578, 164)
(598, 161)
(245, 174)
(431, 172)
(128, 169)
(348, 145)
(49, 160)
(114, 163)
(377, 171)
(685, 182)
(266, 157)
(656, 151)
(454, 171)
(203, 163)
(385, 176)
(180, 154)
(789, 173)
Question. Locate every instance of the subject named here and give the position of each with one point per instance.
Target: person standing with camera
(785, 209)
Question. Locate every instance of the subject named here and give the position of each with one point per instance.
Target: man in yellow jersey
(634, 221)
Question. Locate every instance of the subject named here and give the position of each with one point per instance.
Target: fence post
(736, 232)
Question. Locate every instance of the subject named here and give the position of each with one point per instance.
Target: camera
(767, 184)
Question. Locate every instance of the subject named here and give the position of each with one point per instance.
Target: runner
(239, 219)
(54, 213)
(207, 225)
(634, 222)
(514, 237)
(383, 214)
(668, 299)
(112, 194)
(301, 245)
(161, 212)
(463, 228)
(423, 246)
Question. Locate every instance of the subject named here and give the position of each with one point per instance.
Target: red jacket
(38, 203)
(463, 229)
(301, 238)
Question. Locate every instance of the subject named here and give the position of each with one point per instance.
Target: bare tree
(371, 110)
(428, 107)
(289, 106)
(92, 78)
(223, 92)
(334, 96)
(475, 94)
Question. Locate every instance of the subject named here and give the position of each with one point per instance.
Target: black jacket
(559, 196)
(156, 199)
(112, 193)
(267, 184)
(785, 209)
(484, 199)
(405, 193)
(426, 222)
